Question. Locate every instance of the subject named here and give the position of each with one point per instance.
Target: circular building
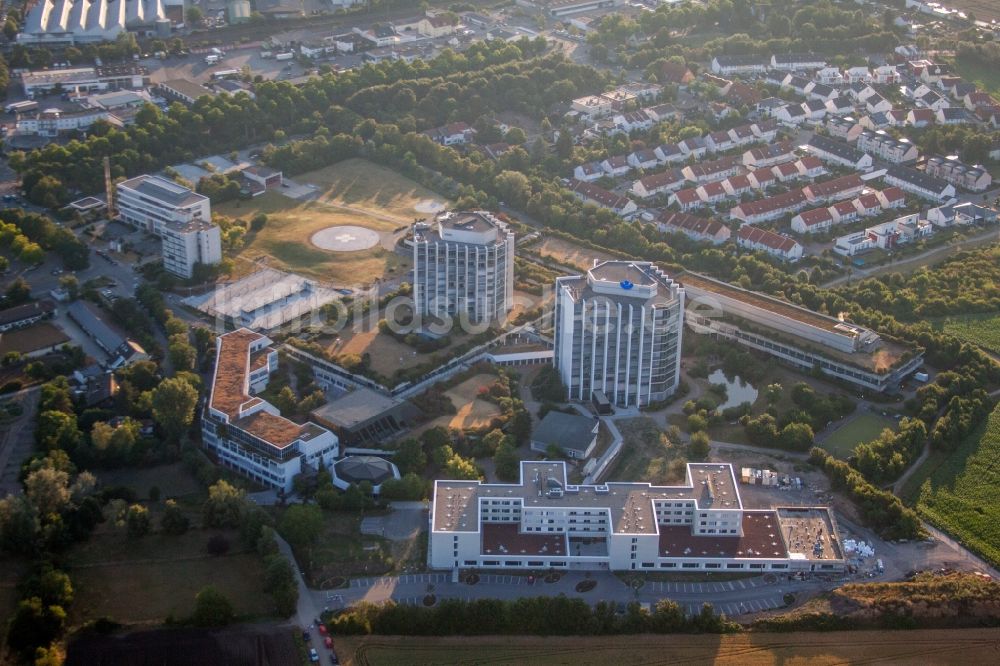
(355, 469)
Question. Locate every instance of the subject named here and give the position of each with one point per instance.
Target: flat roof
(761, 539)
(567, 431)
(354, 408)
(506, 539)
(630, 504)
(466, 221)
(163, 190)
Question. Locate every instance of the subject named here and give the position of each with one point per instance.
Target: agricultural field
(355, 192)
(817, 649)
(982, 75)
(646, 453)
(982, 330)
(473, 412)
(862, 428)
(146, 580)
(960, 492)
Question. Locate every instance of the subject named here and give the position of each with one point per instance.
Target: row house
(812, 221)
(832, 76)
(892, 197)
(763, 210)
(742, 135)
(693, 147)
(658, 183)
(878, 104)
(821, 92)
(669, 153)
(737, 186)
(954, 116)
(844, 187)
(761, 179)
(919, 183)
(887, 147)
(720, 141)
(590, 193)
(844, 212)
(956, 172)
(797, 61)
(695, 228)
(786, 171)
(616, 165)
(712, 193)
(686, 199)
(704, 172)
(810, 167)
(739, 64)
(839, 152)
(977, 99)
(814, 109)
(839, 106)
(886, 75)
(632, 121)
(754, 238)
(790, 115)
(847, 129)
(920, 118)
(858, 74)
(766, 130)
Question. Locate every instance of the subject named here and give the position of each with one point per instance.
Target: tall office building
(188, 243)
(463, 264)
(618, 333)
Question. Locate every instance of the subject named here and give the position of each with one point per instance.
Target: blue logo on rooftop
(625, 284)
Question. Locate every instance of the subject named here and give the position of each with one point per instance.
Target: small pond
(737, 390)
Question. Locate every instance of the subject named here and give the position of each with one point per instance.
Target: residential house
(921, 117)
(590, 193)
(676, 74)
(593, 106)
(763, 210)
(814, 220)
(720, 84)
(720, 111)
(669, 153)
(878, 104)
(839, 152)
(886, 147)
(643, 159)
(836, 189)
(886, 75)
(686, 199)
(769, 155)
(814, 109)
(693, 147)
(658, 183)
(858, 74)
(954, 116)
(798, 84)
(452, 134)
(762, 240)
(712, 192)
(703, 172)
(797, 61)
(786, 171)
(737, 186)
(766, 130)
(874, 121)
(892, 197)
(956, 172)
(790, 115)
(739, 64)
(695, 228)
(919, 183)
(821, 92)
(868, 205)
(633, 121)
(588, 172)
(663, 112)
(844, 212)
(766, 107)
(742, 94)
(761, 179)
(718, 142)
(839, 106)
(847, 129)
(832, 76)
(810, 166)
(616, 165)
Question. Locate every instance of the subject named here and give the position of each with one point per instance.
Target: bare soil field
(387, 354)
(473, 412)
(972, 646)
(570, 254)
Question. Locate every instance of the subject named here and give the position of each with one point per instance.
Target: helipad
(345, 239)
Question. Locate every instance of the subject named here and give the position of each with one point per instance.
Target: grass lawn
(982, 330)
(987, 78)
(960, 492)
(342, 551)
(174, 480)
(354, 192)
(862, 428)
(646, 453)
(387, 353)
(146, 580)
(473, 412)
(819, 649)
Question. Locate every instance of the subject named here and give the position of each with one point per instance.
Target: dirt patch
(571, 254)
(473, 412)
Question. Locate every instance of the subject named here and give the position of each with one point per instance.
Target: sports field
(354, 192)
(972, 646)
(862, 428)
(982, 330)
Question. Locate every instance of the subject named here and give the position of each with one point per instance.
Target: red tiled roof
(894, 194)
(753, 234)
(689, 195)
(779, 202)
(810, 162)
(835, 186)
(845, 208)
(690, 223)
(815, 216)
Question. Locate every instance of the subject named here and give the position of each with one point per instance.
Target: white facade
(248, 434)
(73, 21)
(463, 266)
(618, 330)
(543, 522)
(187, 244)
(150, 202)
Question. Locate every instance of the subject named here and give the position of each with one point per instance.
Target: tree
(174, 401)
(773, 394)
(513, 187)
(224, 505)
(53, 586)
(10, 29)
(301, 524)
(19, 524)
(173, 521)
(699, 447)
(285, 401)
(182, 354)
(564, 144)
(506, 462)
(489, 444)
(71, 285)
(194, 15)
(18, 292)
(211, 608)
(57, 430)
(48, 490)
(796, 437)
(515, 136)
(137, 521)
(410, 457)
(34, 624)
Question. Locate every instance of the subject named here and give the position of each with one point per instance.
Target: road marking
(753, 582)
(742, 584)
(731, 588)
(698, 585)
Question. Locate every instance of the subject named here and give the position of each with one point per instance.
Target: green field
(960, 492)
(646, 453)
(982, 330)
(862, 428)
(353, 192)
(987, 78)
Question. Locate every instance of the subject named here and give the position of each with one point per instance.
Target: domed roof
(355, 469)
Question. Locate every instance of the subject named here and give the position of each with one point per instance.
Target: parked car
(328, 642)
(313, 655)
(305, 635)
(322, 627)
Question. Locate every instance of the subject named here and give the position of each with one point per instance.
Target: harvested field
(974, 646)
